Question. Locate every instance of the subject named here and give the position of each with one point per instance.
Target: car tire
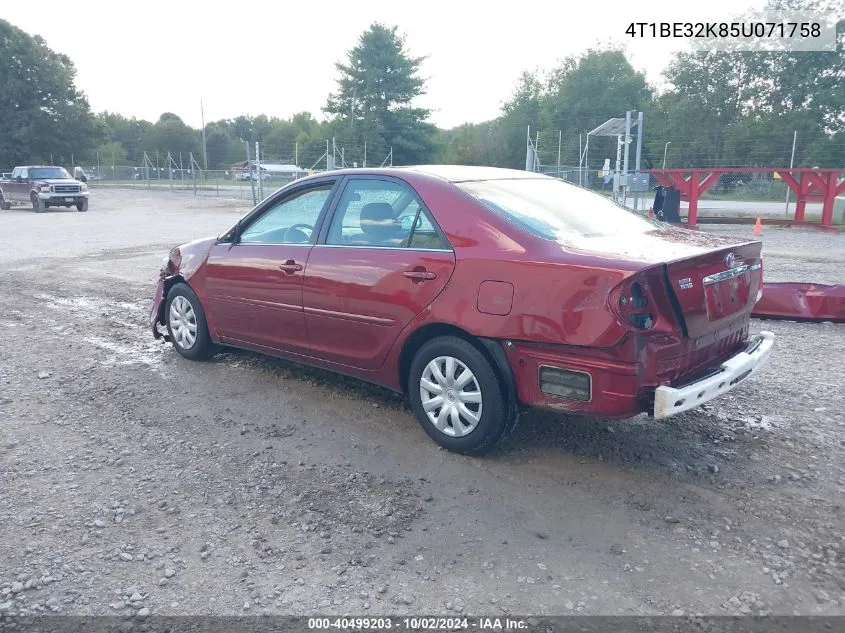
(476, 402)
(38, 205)
(182, 309)
(82, 206)
(5, 205)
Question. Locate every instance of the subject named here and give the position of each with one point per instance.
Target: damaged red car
(476, 292)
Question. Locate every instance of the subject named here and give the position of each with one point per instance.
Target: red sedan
(476, 292)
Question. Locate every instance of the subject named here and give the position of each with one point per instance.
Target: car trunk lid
(714, 289)
(710, 280)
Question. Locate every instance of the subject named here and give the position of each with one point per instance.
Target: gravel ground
(135, 482)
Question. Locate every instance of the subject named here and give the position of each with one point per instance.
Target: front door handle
(419, 274)
(290, 267)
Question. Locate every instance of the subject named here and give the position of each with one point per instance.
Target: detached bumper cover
(801, 302)
(669, 401)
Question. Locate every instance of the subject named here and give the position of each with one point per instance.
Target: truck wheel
(82, 206)
(457, 397)
(38, 205)
(4, 204)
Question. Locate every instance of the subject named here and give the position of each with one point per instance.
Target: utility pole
(365, 155)
(204, 149)
(637, 161)
(559, 141)
(296, 153)
(251, 180)
(258, 172)
(627, 141)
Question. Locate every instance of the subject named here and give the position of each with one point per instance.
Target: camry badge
(685, 283)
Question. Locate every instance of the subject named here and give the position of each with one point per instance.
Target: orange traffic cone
(758, 227)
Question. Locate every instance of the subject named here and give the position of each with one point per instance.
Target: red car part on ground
(801, 302)
(476, 292)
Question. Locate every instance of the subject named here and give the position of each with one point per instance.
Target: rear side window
(384, 214)
(557, 210)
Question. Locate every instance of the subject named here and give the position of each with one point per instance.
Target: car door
(19, 185)
(253, 281)
(378, 263)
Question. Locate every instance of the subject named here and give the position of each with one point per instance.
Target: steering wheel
(298, 227)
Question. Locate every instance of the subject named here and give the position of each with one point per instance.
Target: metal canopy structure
(611, 127)
(621, 128)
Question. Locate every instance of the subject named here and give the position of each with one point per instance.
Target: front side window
(291, 221)
(49, 173)
(374, 213)
(557, 210)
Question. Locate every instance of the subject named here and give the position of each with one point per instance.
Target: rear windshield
(557, 210)
(44, 173)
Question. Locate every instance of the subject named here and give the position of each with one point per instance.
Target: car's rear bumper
(669, 401)
(550, 377)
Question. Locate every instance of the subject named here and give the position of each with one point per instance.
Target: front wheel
(186, 323)
(4, 204)
(82, 206)
(457, 396)
(38, 205)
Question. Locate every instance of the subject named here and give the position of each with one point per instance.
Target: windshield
(45, 173)
(557, 210)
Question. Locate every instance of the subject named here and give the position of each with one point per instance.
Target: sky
(278, 58)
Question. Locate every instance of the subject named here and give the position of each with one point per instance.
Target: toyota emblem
(730, 260)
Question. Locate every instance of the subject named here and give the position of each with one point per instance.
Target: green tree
(374, 102)
(41, 111)
(128, 132)
(112, 153)
(171, 134)
(585, 91)
(521, 110)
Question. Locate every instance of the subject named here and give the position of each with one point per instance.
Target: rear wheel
(4, 204)
(186, 323)
(457, 396)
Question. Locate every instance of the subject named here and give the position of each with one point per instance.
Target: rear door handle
(419, 274)
(290, 267)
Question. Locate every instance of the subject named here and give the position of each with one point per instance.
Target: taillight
(632, 305)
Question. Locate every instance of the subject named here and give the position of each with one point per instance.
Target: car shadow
(697, 443)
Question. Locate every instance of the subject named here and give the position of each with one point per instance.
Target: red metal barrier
(808, 185)
(801, 302)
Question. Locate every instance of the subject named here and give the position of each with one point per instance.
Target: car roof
(466, 173)
(448, 173)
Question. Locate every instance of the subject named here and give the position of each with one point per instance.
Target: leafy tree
(112, 153)
(128, 132)
(374, 100)
(41, 112)
(523, 109)
(171, 134)
(222, 146)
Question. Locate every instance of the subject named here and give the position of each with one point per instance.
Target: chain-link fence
(215, 183)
